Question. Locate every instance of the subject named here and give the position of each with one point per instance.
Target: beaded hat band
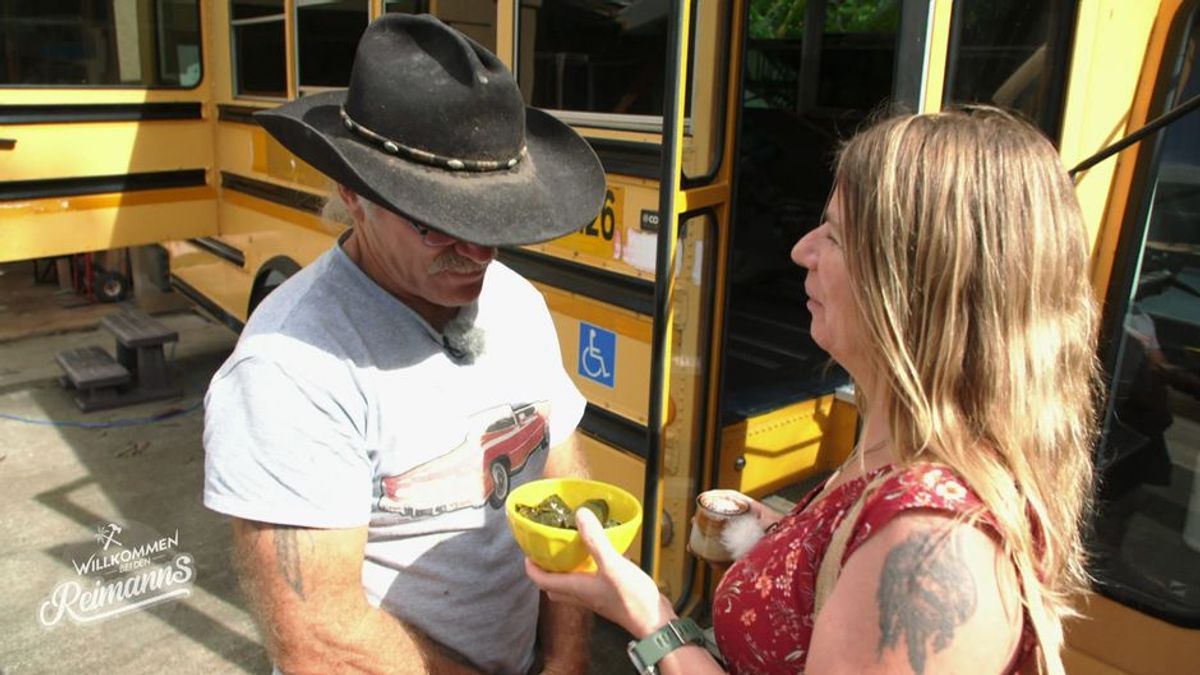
(426, 157)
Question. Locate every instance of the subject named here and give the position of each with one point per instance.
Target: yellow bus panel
(44, 151)
(631, 375)
(66, 225)
(764, 453)
(620, 468)
(1147, 646)
(627, 248)
(224, 285)
(1110, 45)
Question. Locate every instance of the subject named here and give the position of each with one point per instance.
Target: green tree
(784, 19)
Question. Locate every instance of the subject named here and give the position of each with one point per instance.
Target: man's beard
(462, 339)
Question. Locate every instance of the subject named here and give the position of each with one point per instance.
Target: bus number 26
(607, 220)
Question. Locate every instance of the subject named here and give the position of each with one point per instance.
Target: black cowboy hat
(433, 127)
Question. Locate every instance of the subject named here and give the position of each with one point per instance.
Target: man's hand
(305, 588)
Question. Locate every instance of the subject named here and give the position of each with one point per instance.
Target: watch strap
(647, 652)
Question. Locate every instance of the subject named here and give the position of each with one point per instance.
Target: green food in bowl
(553, 511)
(560, 549)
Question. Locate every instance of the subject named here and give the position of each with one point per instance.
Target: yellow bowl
(561, 550)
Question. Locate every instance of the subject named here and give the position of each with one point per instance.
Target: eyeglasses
(431, 237)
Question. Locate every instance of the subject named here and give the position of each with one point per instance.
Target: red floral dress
(763, 608)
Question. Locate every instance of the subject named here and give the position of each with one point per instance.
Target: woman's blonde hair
(969, 258)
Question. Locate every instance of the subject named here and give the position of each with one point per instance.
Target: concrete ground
(58, 484)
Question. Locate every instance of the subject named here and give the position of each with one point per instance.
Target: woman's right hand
(618, 590)
(767, 517)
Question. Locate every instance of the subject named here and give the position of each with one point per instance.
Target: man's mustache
(453, 262)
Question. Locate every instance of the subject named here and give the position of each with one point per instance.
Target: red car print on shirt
(478, 471)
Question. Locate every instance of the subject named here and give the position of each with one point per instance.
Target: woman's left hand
(618, 590)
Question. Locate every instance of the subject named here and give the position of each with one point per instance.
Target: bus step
(95, 375)
(136, 329)
(91, 367)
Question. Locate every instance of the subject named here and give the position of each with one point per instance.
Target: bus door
(104, 132)
(647, 85)
(811, 74)
(1145, 615)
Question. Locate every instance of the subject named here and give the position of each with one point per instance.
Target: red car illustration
(476, 471)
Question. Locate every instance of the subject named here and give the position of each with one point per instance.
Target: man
(381, 404)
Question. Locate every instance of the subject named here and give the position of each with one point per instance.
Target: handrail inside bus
(1175, 114)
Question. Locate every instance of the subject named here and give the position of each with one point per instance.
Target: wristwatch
(647, 652)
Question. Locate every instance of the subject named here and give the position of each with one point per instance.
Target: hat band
(426, 157)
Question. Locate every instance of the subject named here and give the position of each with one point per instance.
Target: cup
(715, 510)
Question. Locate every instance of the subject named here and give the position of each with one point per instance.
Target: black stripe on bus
(284, 196)
(615, 289)
(615, 430)
(628, 158)
(95, 185)
(242, 114)
(221, 250)
(98, 112)
(213, 309)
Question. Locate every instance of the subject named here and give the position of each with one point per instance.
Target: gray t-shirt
(339, 408)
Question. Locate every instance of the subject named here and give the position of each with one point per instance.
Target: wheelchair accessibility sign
(597, 354)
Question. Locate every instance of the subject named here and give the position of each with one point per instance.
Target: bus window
(89, 44)
(1014, 54)
(406, 6)
(474, 18)
(847, 63)
(1147, 533)
(327, 33)
(811, 76)
(707, 81)
(259, 54)
(593, 56)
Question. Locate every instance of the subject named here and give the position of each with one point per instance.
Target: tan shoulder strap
(831, 564)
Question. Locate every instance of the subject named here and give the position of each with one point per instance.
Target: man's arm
(563, 630)
(305, 588)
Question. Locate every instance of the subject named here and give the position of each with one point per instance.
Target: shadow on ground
(59, 484)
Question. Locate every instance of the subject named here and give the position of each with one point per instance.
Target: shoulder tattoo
(925, 591)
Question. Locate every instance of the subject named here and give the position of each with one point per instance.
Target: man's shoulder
(299, 296)
(298, 327)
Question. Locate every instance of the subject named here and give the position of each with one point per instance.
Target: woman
(949, 278)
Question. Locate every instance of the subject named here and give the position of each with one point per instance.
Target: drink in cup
(715, 510)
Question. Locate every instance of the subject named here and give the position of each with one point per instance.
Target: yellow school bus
(679, 313)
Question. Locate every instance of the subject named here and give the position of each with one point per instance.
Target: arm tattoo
(287, 558)
(926, 590)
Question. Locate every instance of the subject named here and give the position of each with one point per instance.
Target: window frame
(626, 122)
(422, 7)
(301, 88)
(158, 27)
(1061, 56)
(1126, 268)
(234, 83)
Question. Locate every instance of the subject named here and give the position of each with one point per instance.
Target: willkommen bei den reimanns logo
(129, 567)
